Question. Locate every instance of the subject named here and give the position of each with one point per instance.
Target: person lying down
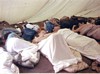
(24, 52)
(54, 47)
(6, 63)
(85, 45)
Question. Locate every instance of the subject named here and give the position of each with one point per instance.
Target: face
(56, 28)
(38, 30)
(43, 31)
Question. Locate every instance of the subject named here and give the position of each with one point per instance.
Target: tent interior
(33, 11)
(38, 10)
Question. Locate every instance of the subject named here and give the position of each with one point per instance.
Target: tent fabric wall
(37, 10)
(14, 11)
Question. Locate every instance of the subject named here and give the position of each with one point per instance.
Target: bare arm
(76, 30)
(93, 32)
(38, 39)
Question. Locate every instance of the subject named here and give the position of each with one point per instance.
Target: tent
(14, 11)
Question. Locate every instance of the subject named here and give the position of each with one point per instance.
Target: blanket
(24, 52)
(58, 53)
(85, 45)
(6, 64)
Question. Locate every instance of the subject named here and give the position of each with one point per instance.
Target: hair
(82, 20)
(42, 28)
(97, 21)
(57, 20)
(1, 42)
(74, 17)
(6, 35)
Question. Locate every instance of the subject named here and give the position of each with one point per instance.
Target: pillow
(49, 26)
(76, 67)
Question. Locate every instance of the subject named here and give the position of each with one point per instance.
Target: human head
(51, 25)
(10, 35)
(55, 19)
(97, 21)
(5, 36)
(82, 20)
(36, 27)
(7, 30)
(56, 28)
(43, 32)
(64, 18)
(48, 26)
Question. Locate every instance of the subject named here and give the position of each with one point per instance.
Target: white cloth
(6, 65)
(17, 45)
(29, 26)
(32, 26)
(85, 45)
(28, 50)
(57, 51)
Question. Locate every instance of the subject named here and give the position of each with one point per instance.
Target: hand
(73, 28)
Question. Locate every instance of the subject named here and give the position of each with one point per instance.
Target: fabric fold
(57, 51)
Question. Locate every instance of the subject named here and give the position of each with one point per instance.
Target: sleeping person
(54, 47)
(90, 30)
(24, 52)
(85, 45)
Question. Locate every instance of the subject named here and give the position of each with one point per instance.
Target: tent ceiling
(14, 11)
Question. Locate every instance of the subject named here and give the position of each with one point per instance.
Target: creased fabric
(28, 51)
(6, 64)
(57, 52)
(85, 45)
